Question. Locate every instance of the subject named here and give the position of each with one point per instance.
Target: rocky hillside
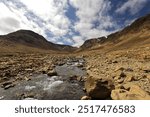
(136, 34)
(29, 40)
(119, 68)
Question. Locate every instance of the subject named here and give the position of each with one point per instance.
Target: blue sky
(70, 22)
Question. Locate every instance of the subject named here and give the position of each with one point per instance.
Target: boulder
(130, 92)
(99, 88)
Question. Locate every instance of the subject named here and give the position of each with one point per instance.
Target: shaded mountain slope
(25, 39)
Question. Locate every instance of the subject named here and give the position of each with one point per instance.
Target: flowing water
(59, 87)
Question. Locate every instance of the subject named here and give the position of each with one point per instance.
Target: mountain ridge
(136, 34)
(31, 39)
(138, 29)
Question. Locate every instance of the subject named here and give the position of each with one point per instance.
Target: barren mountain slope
(23, 40)
(137, 34)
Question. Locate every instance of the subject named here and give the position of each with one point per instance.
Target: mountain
(23, 40)
(136, 34)
(91, 42)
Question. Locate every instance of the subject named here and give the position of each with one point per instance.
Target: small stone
(28, 69)
(88, 67)
(84, 78)
(79, 78)
(60, 63)
(147, 71)
(27, 78)
(44, 70)
(86, 98)
(115, 61)
(2, 97)
(80, 65)
(117, 77)
(148, 76)
(74, 77)
(84, 89)
(129, 79)
(120, 80)
(119, 69)
(52, 73)
(121, 74)
(129, 70)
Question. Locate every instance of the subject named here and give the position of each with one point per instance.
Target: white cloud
(53, 14)
(9, 21)
(48, 18)
(14, 19)
(89, 12)
(133, 6)
(78, 41)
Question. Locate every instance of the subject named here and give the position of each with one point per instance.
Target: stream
(64, 86)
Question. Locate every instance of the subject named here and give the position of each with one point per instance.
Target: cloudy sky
(70, 22)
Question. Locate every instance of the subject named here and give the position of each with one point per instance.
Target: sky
(70, 22)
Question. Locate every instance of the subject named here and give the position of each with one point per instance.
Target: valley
(116, 67)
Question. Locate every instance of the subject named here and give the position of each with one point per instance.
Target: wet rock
(25, 95)
(52, 73)
(4, 79)
(81, 78)
(86, 98)
(27, 78)
(7, 85)
(74, 77)
(60, 63)
(99, 88)
(130, 92)
(84, 89)
(80, 65)
(2, 97)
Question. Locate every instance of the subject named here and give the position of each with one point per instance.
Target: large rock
(130, 92)
(99, 88)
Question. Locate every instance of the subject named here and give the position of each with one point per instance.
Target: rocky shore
(41, 76)
(117, 75)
